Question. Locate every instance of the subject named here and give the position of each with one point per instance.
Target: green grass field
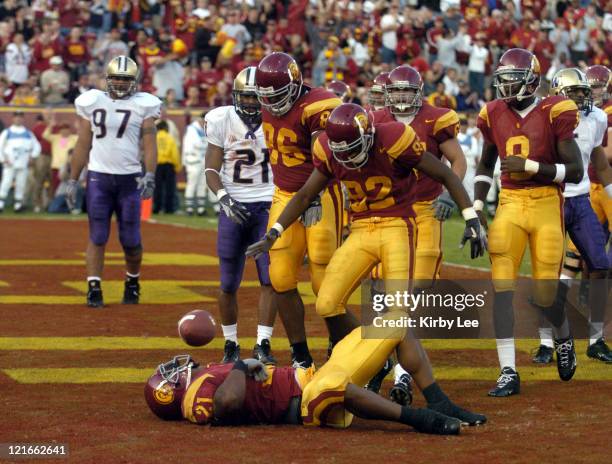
(453, 230)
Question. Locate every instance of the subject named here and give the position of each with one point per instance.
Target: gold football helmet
(245, 97)
(121, 76)
(573, 84)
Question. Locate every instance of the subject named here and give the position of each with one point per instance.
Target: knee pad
(326, 387)
(98, 234)
(328, 307)
(321, 246)
(132, 250)
(231, 273)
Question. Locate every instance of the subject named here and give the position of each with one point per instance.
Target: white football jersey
(589, 135)
(116, 126)
(246, 172)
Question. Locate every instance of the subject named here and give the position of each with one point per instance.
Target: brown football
(197, 328)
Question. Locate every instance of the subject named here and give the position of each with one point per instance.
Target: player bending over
(111, 127)
(248, 392)
(238, 172)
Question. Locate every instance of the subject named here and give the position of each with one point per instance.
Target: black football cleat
(566, 358)
(600, 351)
(436, 423)
(94, 297)
(401, 391)
(544, 355)
(263, 352)
(508, 383)
(231, 352)
(131, 292)
(376, 382)
(450, 409)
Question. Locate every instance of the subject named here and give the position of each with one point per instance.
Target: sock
(230, 332)
(264, 333)
(546, 337)
(505, 352)
(94, 281)
(132, 278)
(416, 418)
(300, 352)
(398, 372)
(434, 394)
(563, 331)
(595, 332)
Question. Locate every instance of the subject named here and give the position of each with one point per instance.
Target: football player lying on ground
(249, 392)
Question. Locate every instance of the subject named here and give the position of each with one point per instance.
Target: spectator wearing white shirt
(54, 82)
(111, 47)
(447, 47)
(477, 64)
(18, 146)
(469, 145)
(451, 84)
(236, 31)
(17, 59)
(389, 24)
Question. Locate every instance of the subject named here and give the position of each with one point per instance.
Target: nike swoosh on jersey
(546, 106)
(429, 120)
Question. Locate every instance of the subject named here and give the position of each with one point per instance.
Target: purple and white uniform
(114, 162)
(580, 220)
(247, 177)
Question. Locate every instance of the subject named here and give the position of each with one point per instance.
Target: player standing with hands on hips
(112, 125)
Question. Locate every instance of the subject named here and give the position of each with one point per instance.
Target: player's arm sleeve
(320, 160)
(85, 103)
(214, 130)
(564, 117)
(446, 127)
(405, 147)
(315, 114)
(484, 125)
(152, 107)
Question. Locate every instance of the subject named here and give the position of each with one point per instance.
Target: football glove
(476, 235)
(234, 210)
(444, 206)
(146, 185)
(313, 213)
(71, 193)
(263, 246)
(256, 369)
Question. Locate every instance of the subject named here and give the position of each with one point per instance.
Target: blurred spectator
(168, 165)
(86, 82)
(54, 83)
(330, 64)
(18, 149)
(447, 45)
(59, 205)
(477, 64)
(40, 173)
(168, 73)
(389, 24)
(359, 47)
(26, 95)
(61, 142)
(222, 95)
(194, 149)
(579, 42)
(170, 100)
(76, 53)
(111, 46)
(236, 31)
(43, 50)
(254, 25)
(560, 36)
(467, 99)
(451, 84)
(471, 151)
(17, 59)
(441, 99)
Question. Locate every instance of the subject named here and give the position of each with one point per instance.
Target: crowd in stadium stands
(189, 51)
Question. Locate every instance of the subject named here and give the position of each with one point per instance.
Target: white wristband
(469, 213)
(278, 227)
(220, 194)
(532, 166)
(560, 174)
(483, 178)
(478, 205)
(608, 189)
(211, 170)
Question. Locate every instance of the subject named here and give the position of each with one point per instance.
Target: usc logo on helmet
(294, 72)
(361, 121)
(164, 394)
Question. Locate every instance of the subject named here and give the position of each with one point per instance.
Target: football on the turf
(197, 328)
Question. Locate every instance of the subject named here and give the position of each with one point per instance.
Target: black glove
(234, 210)
(263, 246)
(146, 185)
(71, 193)
(477, 236)
(444, 206)
(313, 213)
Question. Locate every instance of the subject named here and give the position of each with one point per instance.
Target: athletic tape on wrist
(532, 166)
(278, 227)
(478, 205)
(469, 213)
(220, 194)
(560, 173)
(483, 178)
